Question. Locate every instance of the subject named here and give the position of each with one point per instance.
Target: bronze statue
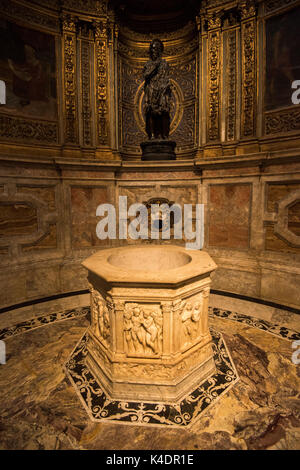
(157, 90)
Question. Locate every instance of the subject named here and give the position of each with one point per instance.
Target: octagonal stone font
(149, 338)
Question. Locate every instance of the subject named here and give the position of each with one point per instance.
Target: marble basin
(149, 338)
(154, 259)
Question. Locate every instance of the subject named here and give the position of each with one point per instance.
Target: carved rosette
(214, 45)
(69, 50)
(231, 85)
(101, 82)
(248, 33)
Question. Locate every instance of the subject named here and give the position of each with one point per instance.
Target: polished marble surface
(40, 408)
(184, 412)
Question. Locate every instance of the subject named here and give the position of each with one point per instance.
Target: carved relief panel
(191, 316)
(143, 330)
(100, 316)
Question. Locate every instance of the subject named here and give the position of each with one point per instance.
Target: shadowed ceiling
(155, 15)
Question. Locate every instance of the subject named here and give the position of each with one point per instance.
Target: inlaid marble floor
(40, 409)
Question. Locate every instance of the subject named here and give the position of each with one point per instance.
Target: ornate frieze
(282, 121)
(70, 82)
(161, 371)
(101, 82)
(28, 130)
(248, 38)
(95, 7)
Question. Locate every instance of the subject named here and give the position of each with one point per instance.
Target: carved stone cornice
(68, 23)
(94, 7)
(214, 21)
(29, 15)
(273, 5)
(247, 9)
(184, 32)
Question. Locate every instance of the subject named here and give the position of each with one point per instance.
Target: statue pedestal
(149, 337)
(158, 150)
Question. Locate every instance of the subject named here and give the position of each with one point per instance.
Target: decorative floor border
(100, 407)
(183, 414)
(269, 327)
(42, 320)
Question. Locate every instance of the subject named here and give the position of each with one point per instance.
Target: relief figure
(142, 330)
(191, 315)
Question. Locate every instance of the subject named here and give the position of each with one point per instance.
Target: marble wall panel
(73, 277)
(28, 218)
(275, 239)
(42, 282)
(237, 281)
(283, 287)
(84, 202)
(17, 218)
(229, 209)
